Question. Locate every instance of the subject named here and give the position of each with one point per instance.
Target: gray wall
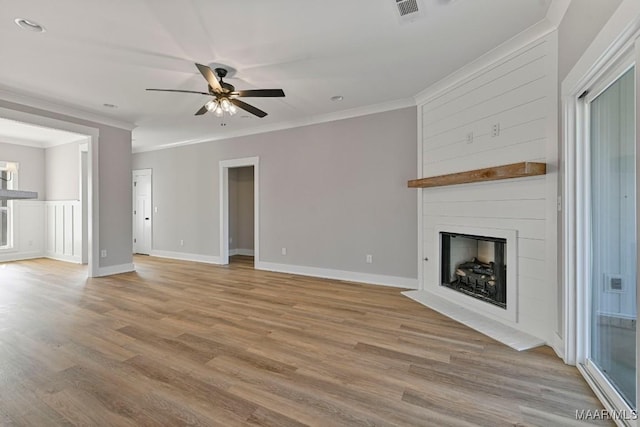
(115, 225)
(581, 23)
(32, 171)
(330, 193)
(62, 174)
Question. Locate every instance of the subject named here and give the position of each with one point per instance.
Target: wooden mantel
(515, 170)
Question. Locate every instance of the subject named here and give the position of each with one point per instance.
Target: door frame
(134, 174)
(83, 149)
(225, 165)
(592, 75)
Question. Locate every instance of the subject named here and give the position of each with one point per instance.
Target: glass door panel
(613, 235)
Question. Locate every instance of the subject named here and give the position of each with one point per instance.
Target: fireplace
(475, 265)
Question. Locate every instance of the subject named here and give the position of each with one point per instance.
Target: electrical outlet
(284, 251)
(181, 242)
(469, 137)
(369, 259)
(103, 253)
(495, 130)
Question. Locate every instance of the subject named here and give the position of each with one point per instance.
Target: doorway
(142, 215)
(239, 211)
(85, 238)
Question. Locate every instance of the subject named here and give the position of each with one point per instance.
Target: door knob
(147, 218)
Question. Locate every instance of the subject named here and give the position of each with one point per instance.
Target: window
(8, 181)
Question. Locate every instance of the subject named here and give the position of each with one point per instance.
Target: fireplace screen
(475, 265)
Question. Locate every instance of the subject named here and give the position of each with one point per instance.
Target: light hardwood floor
(180, 343)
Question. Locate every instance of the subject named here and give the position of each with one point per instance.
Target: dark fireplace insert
(475, 265)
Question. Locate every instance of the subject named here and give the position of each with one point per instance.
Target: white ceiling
(14, 132)
(97, 52)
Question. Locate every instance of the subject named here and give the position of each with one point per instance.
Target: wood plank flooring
(180, 343)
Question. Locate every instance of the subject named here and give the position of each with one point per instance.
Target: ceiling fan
(225, 97)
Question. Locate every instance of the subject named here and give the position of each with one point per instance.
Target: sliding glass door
(612, 205)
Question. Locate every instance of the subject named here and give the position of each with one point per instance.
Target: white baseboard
(350, 276)
(245, 252)
(20, 256)
(558, 345)
(183, 256)
(65, 258)
(115, 269)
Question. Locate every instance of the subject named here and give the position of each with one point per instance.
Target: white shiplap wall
(519, 93)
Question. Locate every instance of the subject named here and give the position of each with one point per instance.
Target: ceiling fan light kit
(225, 97)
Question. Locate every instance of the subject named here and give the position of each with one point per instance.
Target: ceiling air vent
(406, 7)
(408, 10)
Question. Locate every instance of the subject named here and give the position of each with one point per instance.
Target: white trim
(349, 276)
(551, 191)
(621, 29)
(224, 204)
(420, 197)
(307, 121)
(602, 58)
(13, 255)
(611, 402)
(35, 144)
(53, 106)
(83, 147)
(93, 134)
(115, 269)
(557, 344)
(530, 37)
(66, 258)
(184, 256)
(243, 252)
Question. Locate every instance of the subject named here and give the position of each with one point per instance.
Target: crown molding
(617, 35)
(557, 10)
(307, 121)
(68, 110)
(497, 55)
(20, 141)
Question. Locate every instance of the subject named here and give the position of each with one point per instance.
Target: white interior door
(142, 214)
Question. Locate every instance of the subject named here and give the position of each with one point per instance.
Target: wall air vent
(408, 10)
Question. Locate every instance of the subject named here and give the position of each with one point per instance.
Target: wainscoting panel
(63, 223)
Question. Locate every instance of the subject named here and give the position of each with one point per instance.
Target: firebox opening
(475, 265)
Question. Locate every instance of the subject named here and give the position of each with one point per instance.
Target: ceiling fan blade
(249, 108)
(202, 110)
(178, 90)
(263, 93)
(208, 74)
